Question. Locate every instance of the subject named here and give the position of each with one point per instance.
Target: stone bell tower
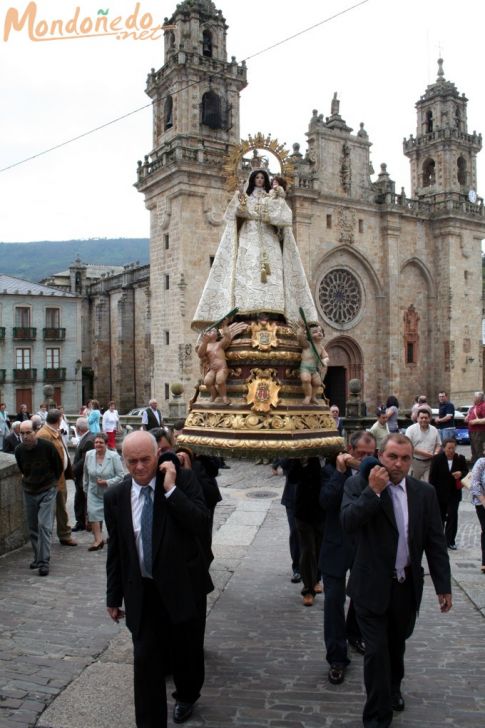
(443, 153)
(195, 124)
(444, 181)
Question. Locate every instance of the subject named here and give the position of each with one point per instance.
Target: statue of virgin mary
(257, 267)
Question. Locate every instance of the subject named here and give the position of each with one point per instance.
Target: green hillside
(38, 260)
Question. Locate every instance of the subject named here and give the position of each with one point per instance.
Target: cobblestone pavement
(63, 664)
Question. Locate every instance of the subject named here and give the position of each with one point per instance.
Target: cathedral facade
(397, 281)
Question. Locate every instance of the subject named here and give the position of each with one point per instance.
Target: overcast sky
(379, 58)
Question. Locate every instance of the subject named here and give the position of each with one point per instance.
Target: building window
(52, 358)
(22, 316)
(168, 113)
(23, 358)
(207, 44)
(52, 318)
(167, 391)
(429, 173)
(361, 226)
(429, 122)
(166, 241)
(167, 282)
(461, 171)
(211, 260)
(167, 338)
(411, 335)
(340, 297)
(329, 222)
(211, 110)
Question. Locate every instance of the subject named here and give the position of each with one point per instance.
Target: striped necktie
(146, 524)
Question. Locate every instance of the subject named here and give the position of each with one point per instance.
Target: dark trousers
(80, 512)
(294, 541)
(477, 442)
(449, 516)
(385, 638)
(310, 539)
(336, 628)
(481, 517)
(161, 648)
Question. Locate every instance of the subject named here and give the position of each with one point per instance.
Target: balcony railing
(24, 375)
(55, 375)
(26, 333)
(52, 334)
(3, 373)
(2, 333)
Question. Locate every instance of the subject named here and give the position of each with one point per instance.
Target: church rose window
(340, 296)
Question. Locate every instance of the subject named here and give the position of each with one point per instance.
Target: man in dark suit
(157, 520)
(447, 470)
(337, 555)
(394, 519)
(13, 439)
(86, 443)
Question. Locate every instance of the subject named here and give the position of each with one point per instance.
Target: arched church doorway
(346, 363)
(336, 386)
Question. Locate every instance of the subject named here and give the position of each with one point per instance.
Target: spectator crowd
(359, 525)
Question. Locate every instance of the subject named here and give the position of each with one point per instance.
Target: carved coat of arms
(263, 335)
(263, 390)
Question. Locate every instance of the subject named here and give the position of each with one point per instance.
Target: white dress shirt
(137, 502)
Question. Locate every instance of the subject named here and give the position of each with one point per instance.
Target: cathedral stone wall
(396, 280)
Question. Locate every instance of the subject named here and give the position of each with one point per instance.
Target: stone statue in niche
(345, 168)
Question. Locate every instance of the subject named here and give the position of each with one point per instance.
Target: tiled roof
(10, 285)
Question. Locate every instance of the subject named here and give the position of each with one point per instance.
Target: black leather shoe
(182, 712)
(33, 565)
(358, 645)
(78, 527)
(43, 571)
(296, 578)
(397, 701)
(452, 546)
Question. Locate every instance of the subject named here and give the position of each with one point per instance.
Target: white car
(459, 416)
(136, 412)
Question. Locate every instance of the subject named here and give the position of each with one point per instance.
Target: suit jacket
(208, 483)
(307, 476)
(86, 443)
(440, 476)
(371, 520)
(47, 433)
(338, 548)
(180, 568)
(10, 442)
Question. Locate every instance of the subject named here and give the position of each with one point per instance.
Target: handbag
(465, 482)
(458, 484)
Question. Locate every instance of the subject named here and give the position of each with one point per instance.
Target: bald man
(157, 520)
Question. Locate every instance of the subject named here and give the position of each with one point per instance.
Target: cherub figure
(278, 187)
(211, 351)
(314, 362)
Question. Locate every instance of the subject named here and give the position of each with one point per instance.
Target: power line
(74, 139)
(184, 88)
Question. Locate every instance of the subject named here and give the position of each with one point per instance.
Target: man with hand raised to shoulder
(157, 519)
(395, 519)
